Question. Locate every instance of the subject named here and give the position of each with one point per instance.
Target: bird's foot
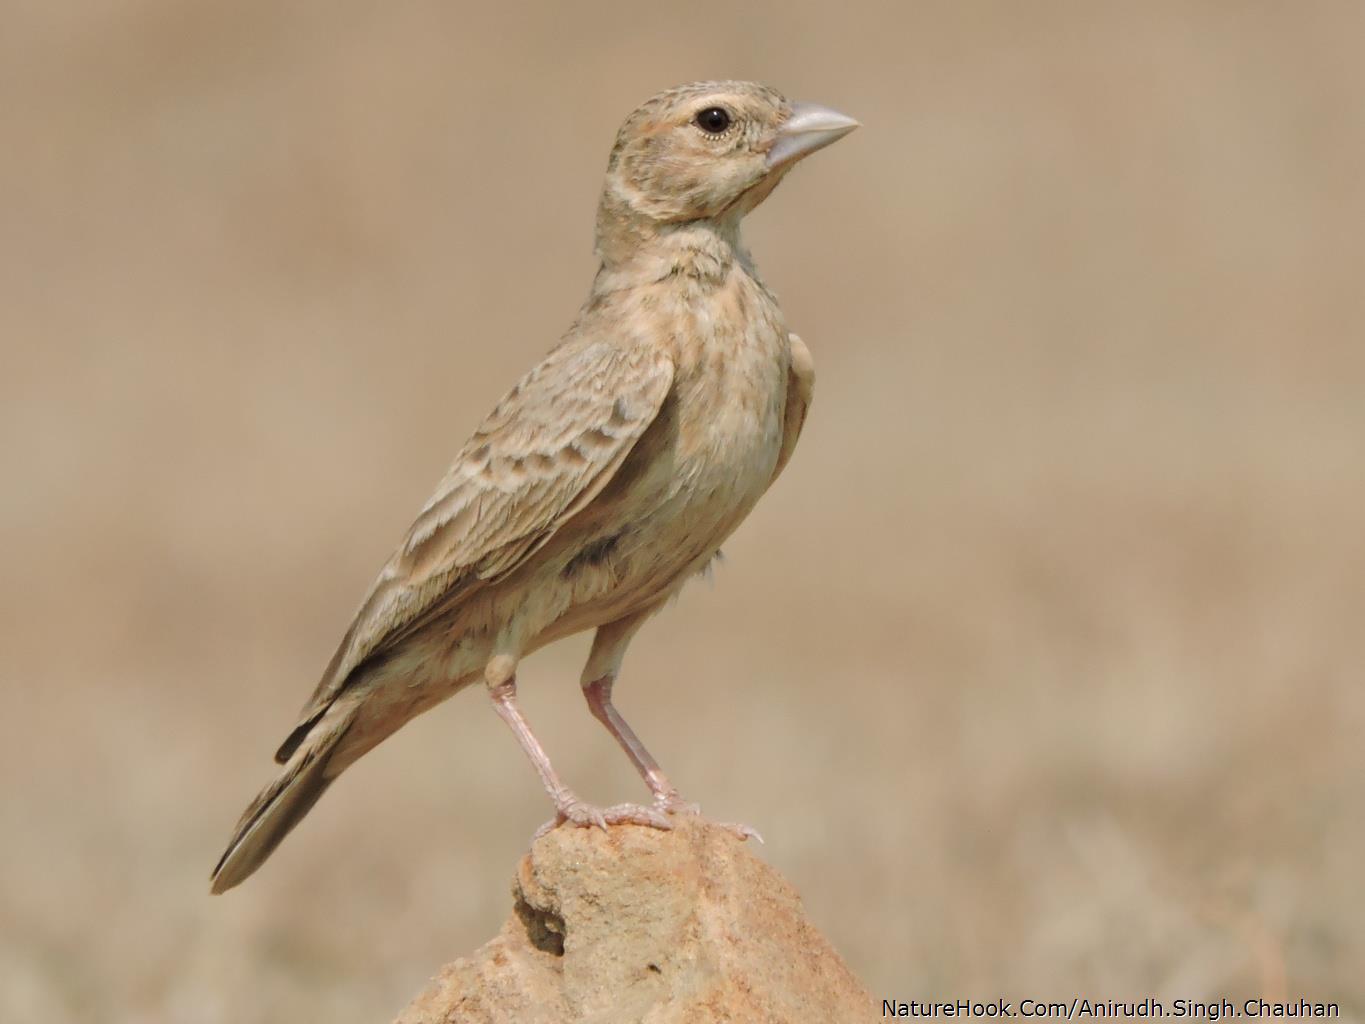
(670, 802)
(574, 811)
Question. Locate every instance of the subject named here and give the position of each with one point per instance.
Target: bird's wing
(800, 390)
(546, 450)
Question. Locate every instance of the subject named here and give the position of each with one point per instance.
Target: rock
(637, 925)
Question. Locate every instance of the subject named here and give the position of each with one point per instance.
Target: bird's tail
(281, 805)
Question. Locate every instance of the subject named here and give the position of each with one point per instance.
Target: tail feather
(295, 739)
(279, 807)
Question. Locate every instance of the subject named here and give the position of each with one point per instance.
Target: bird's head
(708, 151)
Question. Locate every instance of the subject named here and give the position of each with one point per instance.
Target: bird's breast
(732, 360)
(701, 466)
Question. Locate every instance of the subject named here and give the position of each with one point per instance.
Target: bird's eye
(713, 120)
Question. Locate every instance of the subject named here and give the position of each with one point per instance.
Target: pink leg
(666, 796)
(568, 807)
(598, 693)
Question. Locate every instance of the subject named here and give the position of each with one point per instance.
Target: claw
(742, 831)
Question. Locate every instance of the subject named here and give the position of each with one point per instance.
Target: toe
(584, 815)
(635, 814)
(675, 804)
(548, 827)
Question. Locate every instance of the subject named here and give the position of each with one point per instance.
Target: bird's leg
(599, 675)
(666, 796)
(502, 688)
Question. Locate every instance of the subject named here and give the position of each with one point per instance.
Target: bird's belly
(641, 569)
(722, 462)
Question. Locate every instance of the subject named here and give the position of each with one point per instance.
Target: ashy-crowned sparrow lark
(608, 476)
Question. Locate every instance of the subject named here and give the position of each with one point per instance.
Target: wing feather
(800, 391)
(544, 452)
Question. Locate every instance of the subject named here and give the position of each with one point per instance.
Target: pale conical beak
(810, 127)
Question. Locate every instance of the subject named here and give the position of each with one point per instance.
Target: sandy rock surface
(637, 925)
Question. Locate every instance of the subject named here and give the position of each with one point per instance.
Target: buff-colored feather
(544, 452)
(603, 480)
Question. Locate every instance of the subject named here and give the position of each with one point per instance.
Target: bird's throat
(698, 253)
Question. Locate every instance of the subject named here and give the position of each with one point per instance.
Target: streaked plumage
(604, 479)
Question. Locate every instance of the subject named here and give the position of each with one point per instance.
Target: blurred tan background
(1040, 669)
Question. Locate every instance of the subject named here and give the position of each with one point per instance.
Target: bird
(604, 480)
